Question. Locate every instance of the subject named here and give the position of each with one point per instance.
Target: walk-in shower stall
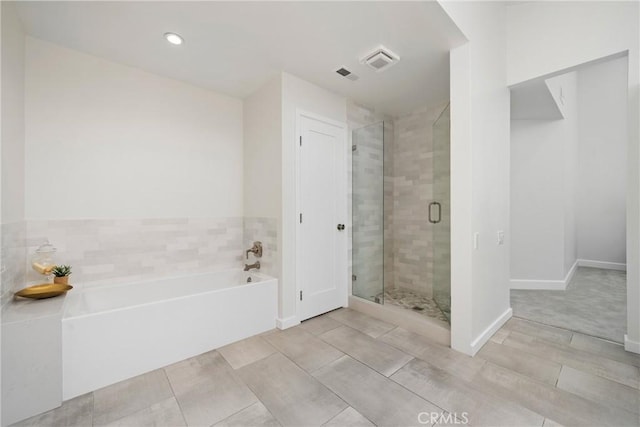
(401, 213)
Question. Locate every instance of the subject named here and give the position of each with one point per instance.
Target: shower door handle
(431, 205)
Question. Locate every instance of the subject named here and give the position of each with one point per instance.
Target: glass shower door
(440, 213)
(368, 213)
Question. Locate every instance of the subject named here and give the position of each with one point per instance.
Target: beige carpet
(594, 303)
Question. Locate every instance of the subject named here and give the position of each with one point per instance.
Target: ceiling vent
(347, 74)
(380, 59)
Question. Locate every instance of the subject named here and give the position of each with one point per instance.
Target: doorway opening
(568, 199)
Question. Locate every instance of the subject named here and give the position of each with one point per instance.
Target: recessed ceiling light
(173, 38)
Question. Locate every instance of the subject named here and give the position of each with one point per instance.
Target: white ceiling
(236, 47)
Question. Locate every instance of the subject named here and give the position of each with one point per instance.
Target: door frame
(342, 255)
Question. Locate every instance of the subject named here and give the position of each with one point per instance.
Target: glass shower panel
(368, 212)
(440, 213)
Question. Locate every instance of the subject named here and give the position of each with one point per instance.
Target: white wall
(269, 162)
(301, 95)
(12, 164)
(543, 157)
(12, 40)
(479, 174)
(262, 124)
(537, 199)
(533, 101)
(108, 140)
(13, 123)
(560, 35)
(602, 172)
(12, 213)
(564, 89)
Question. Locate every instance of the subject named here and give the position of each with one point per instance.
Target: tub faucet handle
(256, 249)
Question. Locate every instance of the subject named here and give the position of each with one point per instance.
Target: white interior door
(321, 251)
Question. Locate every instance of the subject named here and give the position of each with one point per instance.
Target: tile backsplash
(117, 250)
(263, 230)
(107, 251)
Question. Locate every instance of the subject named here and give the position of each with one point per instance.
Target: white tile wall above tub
(115, 250)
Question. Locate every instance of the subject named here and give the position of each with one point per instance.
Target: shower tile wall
(370, 144)
(263, 230)
(389, 185)
(368, 196)
(412, 193)
(408, 190)
(119, 250)
(13, 255)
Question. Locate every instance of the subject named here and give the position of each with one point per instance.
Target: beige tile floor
(347, 369)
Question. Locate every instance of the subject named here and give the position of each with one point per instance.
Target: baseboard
(632, 346)
(287, 322)
(538, 285)
(482, 339)
(561, 285)
(602, 264)
(571, 273)
(549, 285)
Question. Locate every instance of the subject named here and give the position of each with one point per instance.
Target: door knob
(340, 227)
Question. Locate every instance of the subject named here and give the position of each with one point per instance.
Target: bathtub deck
(346, 368)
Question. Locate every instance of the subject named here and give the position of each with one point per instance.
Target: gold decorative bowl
(46, 290)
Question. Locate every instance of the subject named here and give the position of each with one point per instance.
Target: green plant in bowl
(61, 273)
(61, 270)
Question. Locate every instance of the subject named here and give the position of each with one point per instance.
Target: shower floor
(413, 301)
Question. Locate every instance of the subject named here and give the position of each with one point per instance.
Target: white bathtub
(111, 333)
